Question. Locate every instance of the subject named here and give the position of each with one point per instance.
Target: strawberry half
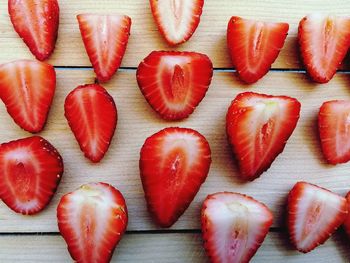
(323, 42)
(334, 129)
(254, 46)
(314, 213)
(258, 127)
(30, 171)
(173, 165)
(92, 220)
(346, 223)
(177, 20)
(27, 89)
(92, 116)
(105, 38)
(174, 83)
(233, 226)
(36, 22)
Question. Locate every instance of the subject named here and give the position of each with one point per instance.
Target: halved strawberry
(324, 41)
(254, 46)
(234, 226)
(36, 22)
(346, 223)
(92, 116)
(334, 129)
(314, 213)
(30, 171)
(258, 127)
(173, 165)
(92, 220)
(27, 89)
(177, 20)
(105, 38)
(174, 83)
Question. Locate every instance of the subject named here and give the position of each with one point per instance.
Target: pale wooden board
(301, 159)
(210, 38)
(167, 248)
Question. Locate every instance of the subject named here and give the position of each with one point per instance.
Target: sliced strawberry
(346, 223)
(105, 38)
(30, 171)
(173, 165)
(323, 42)
(314, 213)
(258, 127)
(177, 20)
(174, 83)
(233, 226)
(36, 22)
(92, 116)
(27, 89)
(254, 46)
(92, 220)
(334, 129)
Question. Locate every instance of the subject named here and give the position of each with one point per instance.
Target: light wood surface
(166, 248)
(210, 37)
(301, 159)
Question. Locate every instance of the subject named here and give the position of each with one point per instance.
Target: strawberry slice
(27, 89)
(254, 46)
(346, 223)
(174, 83)
(92, 220)
(36, 22)
(314, 213)
(177, 20)
(334, 129)
(31, 170)
(92, 116)
(105, 38)
(323, 42)
(234, 226)
(258, 127)
(173, 165)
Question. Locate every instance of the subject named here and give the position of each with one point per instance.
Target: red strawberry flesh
(173, 165)
(31, 170)
(174, 83)
(234, 226)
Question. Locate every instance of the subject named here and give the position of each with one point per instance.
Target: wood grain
(301, 159)
(210, 38)
(166, 248)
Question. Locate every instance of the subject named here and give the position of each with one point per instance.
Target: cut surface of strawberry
(174, 83)
(258, 127)
(254, 46)
(177, 20)
(233, 226)
(334, 130)
(324, 41)
(92, 220)
(92, 116)
(346, 224)
(173, 165)
(36, 22)
(30, 171)
(27, 89)
(105, 38)
(314, 213)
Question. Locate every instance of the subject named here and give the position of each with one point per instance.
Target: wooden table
(36, 238)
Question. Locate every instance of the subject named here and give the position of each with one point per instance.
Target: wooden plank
(168, 248)
(210, 37)
(301, 159)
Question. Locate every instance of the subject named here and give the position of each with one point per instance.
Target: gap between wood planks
(123, 69)
(134, 232)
